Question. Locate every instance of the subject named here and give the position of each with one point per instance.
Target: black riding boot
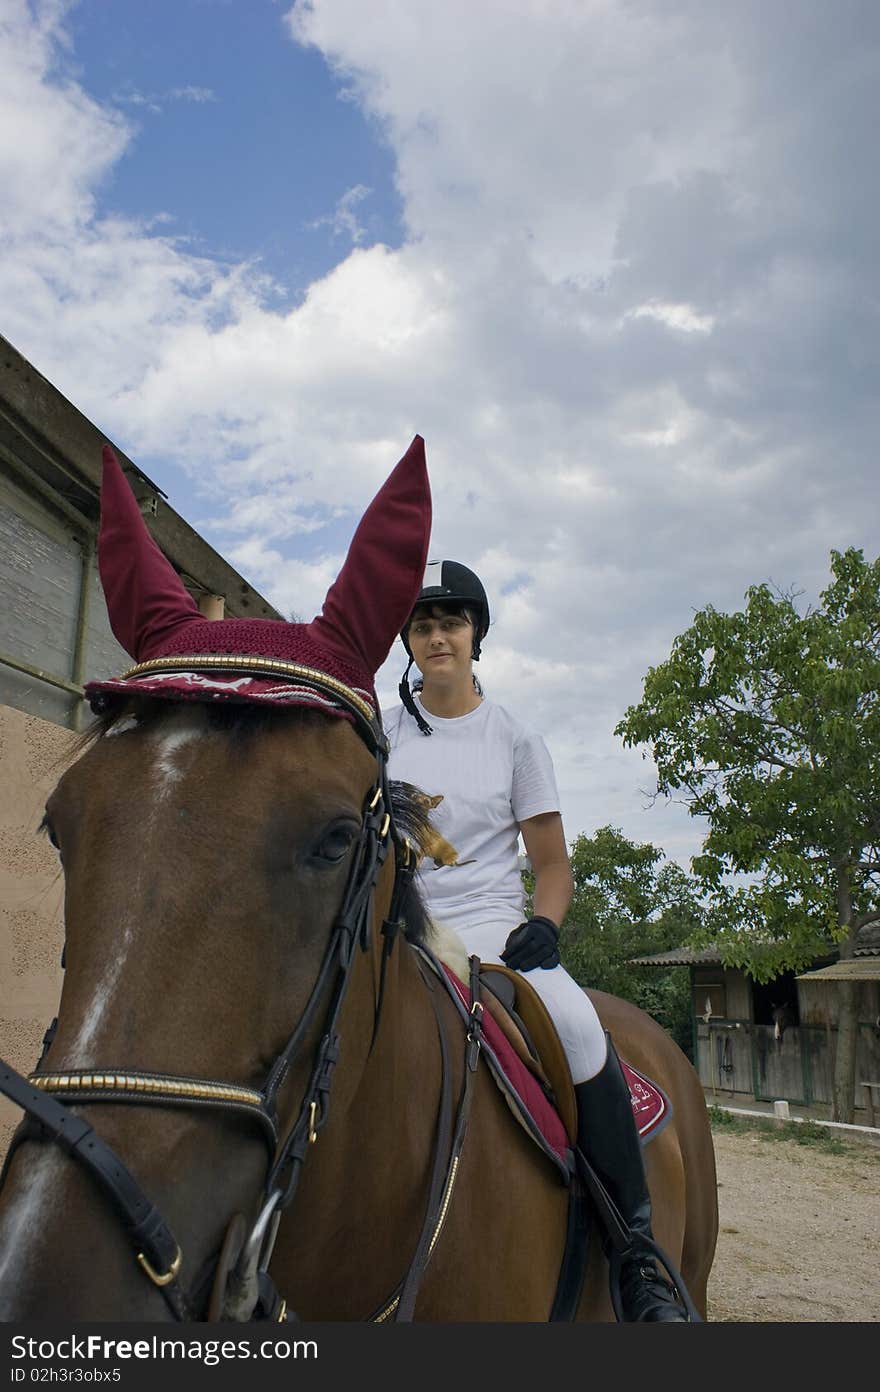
(608, 1138)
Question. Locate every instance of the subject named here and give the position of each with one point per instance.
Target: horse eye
(335, 845)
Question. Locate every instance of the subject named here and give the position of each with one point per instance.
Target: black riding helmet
(445, 582)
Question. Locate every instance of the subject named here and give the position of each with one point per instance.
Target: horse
(204, 854)
(783, 1017)
(256, 1101)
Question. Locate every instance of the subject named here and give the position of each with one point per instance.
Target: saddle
(529, 1065)
(525, 1022)
(526, 1059)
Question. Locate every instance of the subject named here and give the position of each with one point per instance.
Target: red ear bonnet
(153, 616)
(146, 599)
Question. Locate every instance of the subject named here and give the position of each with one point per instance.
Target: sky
(616, 260)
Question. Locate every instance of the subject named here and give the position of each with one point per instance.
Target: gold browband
(146, 1083)
(250, 666)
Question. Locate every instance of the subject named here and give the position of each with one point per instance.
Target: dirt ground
(799, 1231)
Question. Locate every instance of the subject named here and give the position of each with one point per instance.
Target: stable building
(775, 1040)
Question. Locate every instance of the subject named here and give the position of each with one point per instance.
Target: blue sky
(245, 148)
(243, 139)
(615, 262)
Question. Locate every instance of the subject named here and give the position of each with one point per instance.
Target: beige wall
(33, 754)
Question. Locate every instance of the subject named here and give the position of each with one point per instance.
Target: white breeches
(571, 1009)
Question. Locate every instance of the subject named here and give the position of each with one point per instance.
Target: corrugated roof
(678, 957)
(867, 957)
(850, 969)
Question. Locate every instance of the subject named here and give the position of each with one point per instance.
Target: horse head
(227, 843)
(783, 1016)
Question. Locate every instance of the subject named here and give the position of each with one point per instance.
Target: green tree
(767, 723)
(628, 902)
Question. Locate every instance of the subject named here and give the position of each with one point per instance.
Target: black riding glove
(532, 944)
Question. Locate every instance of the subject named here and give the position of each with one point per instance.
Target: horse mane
(410, 807)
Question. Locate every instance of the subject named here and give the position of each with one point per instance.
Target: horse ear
(374, 593)
(146, 599)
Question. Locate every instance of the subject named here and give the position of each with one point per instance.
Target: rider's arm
(544, 840)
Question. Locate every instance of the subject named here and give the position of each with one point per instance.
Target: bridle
(47, 1097)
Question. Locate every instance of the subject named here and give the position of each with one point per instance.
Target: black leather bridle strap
(394, 924)
(352, 922)
(402, 1303)
(159, 1252)
(443, 1157)
(77, 1087)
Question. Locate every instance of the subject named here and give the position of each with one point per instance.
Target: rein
(158, 1254)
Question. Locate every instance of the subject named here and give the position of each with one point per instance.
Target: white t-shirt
(493, 772)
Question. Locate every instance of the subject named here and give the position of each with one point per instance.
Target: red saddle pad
(651, 1106)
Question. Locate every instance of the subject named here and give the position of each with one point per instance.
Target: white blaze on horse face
(172, 738)
(175, 733)
(38, 1192)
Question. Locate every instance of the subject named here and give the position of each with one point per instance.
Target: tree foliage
(629, 902)
(767, 723)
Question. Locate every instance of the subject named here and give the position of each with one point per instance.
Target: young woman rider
(497, 782)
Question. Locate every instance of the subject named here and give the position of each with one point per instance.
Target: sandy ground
(799, 1232)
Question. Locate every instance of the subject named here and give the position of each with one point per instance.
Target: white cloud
(343, 221)
(676, 316)
(192, 93)
(634, 317)
(56, 143)
(156, 102)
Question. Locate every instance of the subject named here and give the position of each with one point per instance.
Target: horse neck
(352, 1208)
(404, 1063)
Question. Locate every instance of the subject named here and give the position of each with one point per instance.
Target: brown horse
(237, 878)
(205, 852)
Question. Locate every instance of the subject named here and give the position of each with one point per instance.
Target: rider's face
(441, 644)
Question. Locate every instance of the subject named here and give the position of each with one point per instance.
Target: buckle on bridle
(169, 1276)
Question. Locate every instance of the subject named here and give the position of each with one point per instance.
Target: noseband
(47, 1097)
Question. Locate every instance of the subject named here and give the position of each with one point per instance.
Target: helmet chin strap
(409, 704)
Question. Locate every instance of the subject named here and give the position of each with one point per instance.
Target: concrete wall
(33, 755)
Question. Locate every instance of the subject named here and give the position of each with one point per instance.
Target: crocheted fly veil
(180, 655)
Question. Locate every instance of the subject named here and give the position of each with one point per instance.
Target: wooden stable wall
(738, 1059)
(53, 617)
(33, 754)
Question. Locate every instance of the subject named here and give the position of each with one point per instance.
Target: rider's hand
(532, 944)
